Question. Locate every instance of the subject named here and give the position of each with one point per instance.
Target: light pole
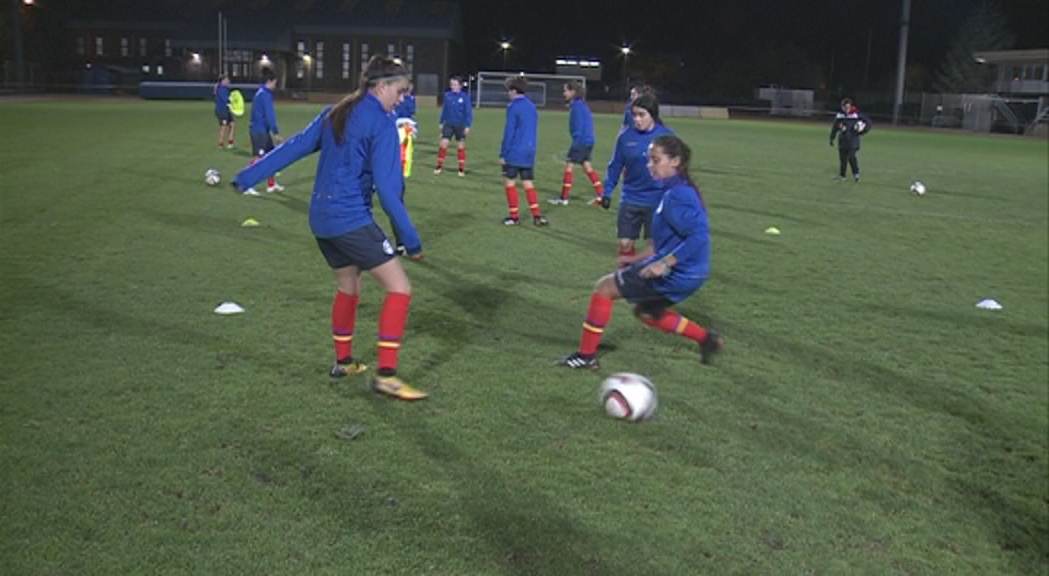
(16, 21)
(505, 46)
(625, 51)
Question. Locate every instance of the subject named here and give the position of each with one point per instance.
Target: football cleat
(577, 360)
(511, 221)
(596, 201)
(711, 346)
(438, 170)
(558, 201)
(539, 221)
(251, 192)
(395, 387)
(347, 367)
(275, 188)
(462, 173)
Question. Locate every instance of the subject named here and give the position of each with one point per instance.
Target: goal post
(543, 89)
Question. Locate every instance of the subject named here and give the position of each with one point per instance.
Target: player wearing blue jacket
(359, 157)
(406, 109)
(263, 128)
(641, 194)
(457, 115)
(672, 269)
(628, 113)
(849, 125)
(517, 152)
(222, 111)
(581, 128)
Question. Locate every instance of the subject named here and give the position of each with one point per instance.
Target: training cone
(772, 230)
(229, 308)
(988, 304)
(249, 223)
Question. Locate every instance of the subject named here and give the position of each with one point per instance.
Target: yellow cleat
(393, 386)
(348, 367)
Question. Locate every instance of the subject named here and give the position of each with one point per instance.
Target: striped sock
(597, 316)
(392, 319)
(673, 323)
(343, 319)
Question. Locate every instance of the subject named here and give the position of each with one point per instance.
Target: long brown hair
(675, 147)
(379, 69)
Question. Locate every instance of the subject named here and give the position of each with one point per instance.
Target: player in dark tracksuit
(849, 125)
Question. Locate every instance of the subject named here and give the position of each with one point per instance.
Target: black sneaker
(577, 360)
(539, 221)
(511, 221)
(855, 177)
(711, 346)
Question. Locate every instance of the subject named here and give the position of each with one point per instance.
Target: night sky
(832, 33)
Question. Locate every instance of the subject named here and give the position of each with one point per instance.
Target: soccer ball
(628, 396)
(861, 126)
(917, 188)
(212, 177)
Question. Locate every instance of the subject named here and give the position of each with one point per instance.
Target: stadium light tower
(505, 46)
(625, 51)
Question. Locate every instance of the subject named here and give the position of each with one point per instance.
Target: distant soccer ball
(917, 188)
(212, 177)
(861, 126)
(628, 397)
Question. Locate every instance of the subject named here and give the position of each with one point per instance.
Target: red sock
(392, 319)
(511, 201)
(441, 154)
(597, 317)
(673, 323)
(599, 188)
(462, 159)
(343, 319)
(566, 184)
(271, 182)
(231, 141)
(533, 201)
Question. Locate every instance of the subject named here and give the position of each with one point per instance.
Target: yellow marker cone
(249, 222)
(772, 230)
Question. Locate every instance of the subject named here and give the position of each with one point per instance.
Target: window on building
(320, 60)
(145, 68)
(141, 46)
(364, 55)
(391, 50)
(160, 70)
(167, 48)
(124, 47)
(80, 45)
(345, 61)
(409, 58)
(98, 46)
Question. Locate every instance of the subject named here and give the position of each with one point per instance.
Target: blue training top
(457, 110)
(639, 189)
(580, 123)
(221, 98)
(520, 133)
(263, 118)
(368, 160)
(406, 109)
(680, 227)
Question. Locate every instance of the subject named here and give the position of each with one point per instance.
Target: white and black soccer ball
(629, 397)
(917, 188)
(860, 126)
(212, 177)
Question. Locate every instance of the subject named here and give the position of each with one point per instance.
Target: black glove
(606, 202)
(831, 142)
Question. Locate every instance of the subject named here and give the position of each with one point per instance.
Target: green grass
(865, 418)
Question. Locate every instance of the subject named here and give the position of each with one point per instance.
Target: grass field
(865, 418)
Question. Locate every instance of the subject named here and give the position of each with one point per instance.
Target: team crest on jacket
(387, 248)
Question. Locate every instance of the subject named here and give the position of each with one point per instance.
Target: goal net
(543, 89)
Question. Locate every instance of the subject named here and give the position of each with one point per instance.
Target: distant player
(222, 111)
(641, 193)
(628, 113)
(581, 127)
(263, 128)
(517, 152)
(848, 126)
(457, 115)
(407, 128)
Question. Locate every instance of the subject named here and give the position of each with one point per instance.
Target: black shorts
(639, 291)
(225, 117)
(633, 222)
(366, 247)
(579, 154)
(261, 144)
(458, 132)
(511, 172)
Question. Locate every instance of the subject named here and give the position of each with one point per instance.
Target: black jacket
(848, 128)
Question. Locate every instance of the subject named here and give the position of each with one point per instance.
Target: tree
(985, 29)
